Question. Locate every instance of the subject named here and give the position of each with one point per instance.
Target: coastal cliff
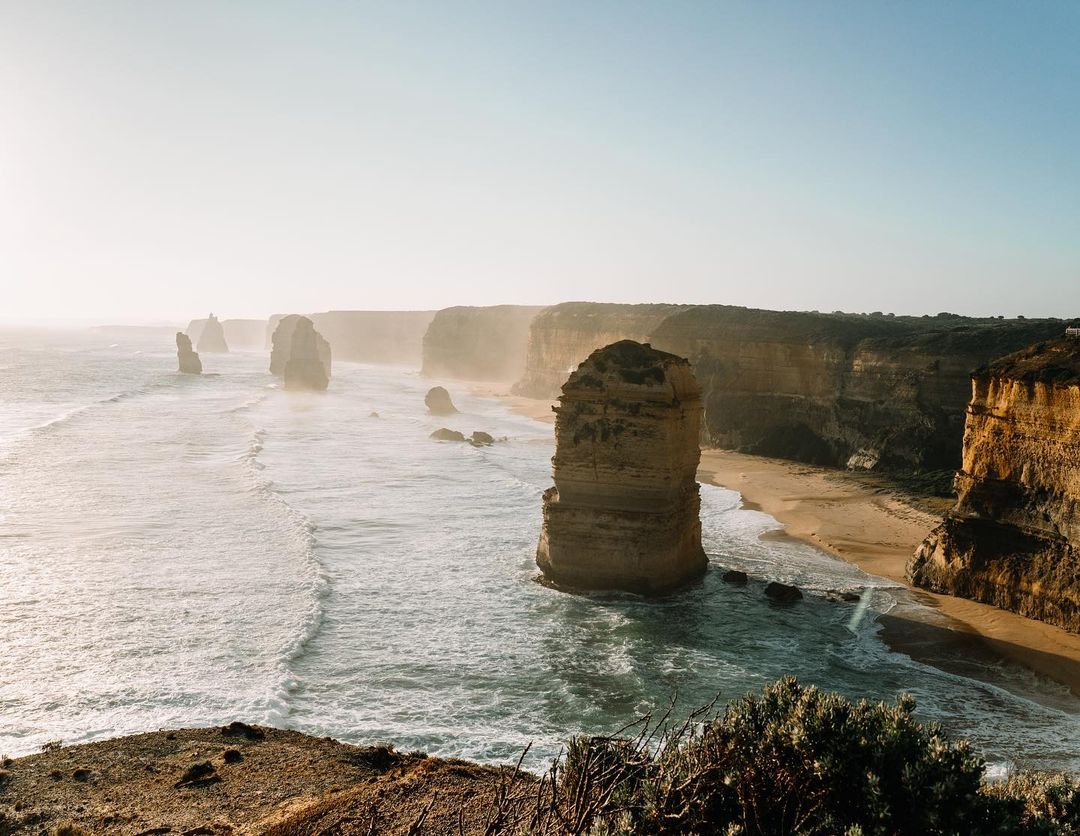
(562, 336)
(866, 392)
(624, 511)
(390, 337)
(1013, 539)
(863, 392)
(478, 343)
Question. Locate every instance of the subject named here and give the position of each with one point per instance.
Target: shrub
(792, 760)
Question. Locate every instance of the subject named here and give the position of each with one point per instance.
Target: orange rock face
(624, 511)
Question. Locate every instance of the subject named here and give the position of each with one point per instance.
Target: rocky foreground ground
(242, 779)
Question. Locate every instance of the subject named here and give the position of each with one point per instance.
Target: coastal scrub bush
(790, 760)
(1038, 803)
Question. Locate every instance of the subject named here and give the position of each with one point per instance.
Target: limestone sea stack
(189, 360)
(624, 511)
(282, 345)
(1013, 538)
(212, 338)
(306, 367)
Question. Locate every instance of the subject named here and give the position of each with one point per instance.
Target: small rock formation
(1013, 538)
(438, 402)
(305, 368)
(444, 434)
(479, 438)
(212, 338)
(189, 360)
(782, 593)
(736, 577)
(282, 346)
(623, 514)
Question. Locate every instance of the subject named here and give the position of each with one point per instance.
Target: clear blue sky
(161, 159)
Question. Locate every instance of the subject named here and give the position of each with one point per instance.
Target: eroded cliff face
(1013, 539)
(624, 511)
(865, 392)
(562, 336)
(478, 343)
(388, 337)
(295, 339)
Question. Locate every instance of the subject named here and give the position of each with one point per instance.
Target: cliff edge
(1013, 538)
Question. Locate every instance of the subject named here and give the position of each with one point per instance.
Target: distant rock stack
(212, 338)
(624, 511)
(189, 360)
(1013, 539)
(438, 402)
(301, 354)
(282, 345)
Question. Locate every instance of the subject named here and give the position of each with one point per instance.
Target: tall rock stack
(308, 363)
(624, 511)
(1013, 538)
(189, 360)
(212, 338)
(282, 345)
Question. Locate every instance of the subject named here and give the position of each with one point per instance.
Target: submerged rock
(212, 338)
(306, 367)
(438, 402)
(623, 514)
(189, 361)
(782, 593)
(444, 434)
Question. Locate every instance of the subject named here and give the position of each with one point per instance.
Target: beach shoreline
(864, 521)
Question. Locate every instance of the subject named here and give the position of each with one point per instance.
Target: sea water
(183, 551)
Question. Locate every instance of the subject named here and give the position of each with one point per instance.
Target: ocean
(184, 551)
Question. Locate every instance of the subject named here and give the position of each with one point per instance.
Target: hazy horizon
(161, 161)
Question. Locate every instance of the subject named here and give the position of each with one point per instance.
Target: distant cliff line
(862, 391)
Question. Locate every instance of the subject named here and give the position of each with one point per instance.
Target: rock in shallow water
(438, 402)
(444, 434)
(189, 361)
(782, 593)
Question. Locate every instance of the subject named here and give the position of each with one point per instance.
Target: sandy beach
(863, 521)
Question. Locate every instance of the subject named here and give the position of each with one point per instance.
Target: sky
(159, 160)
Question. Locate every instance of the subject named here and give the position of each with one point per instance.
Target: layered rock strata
(624, 511)
(189, 361)
(212, 338)
(389, 337)
(1013, 539)
(300, 354)
(478, 343)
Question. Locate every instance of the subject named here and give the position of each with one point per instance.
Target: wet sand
(863, 521)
